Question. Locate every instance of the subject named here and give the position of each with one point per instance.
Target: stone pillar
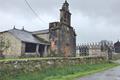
(37, 50)
(77, 52)
(45, 50)
(23, 49)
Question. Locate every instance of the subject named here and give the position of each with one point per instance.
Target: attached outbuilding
(24, 44)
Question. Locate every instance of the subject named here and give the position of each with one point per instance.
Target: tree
(4, 45)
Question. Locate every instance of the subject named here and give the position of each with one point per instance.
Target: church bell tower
(65, 15)
(62, 34)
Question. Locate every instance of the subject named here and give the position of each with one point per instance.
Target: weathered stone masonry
(62, 34)
(29, 65)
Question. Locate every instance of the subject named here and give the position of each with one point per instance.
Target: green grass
(86, 70)
(38, 58)
(60, 73)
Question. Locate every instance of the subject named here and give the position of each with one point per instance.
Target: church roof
(25, 36)
(41, 31)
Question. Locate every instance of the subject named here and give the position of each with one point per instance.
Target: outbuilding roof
(41, 31)
(25, 36)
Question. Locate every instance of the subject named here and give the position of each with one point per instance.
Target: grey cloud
(93, 20)
(108, 9)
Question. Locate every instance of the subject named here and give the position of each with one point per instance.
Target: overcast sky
(93, 20)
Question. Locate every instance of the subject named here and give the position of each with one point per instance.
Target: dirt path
(111, 74)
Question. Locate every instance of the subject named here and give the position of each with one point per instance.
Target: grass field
(60, 73)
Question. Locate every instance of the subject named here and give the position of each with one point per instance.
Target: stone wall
(44, 36)
(15, 46)
(116, 56)
(29, 65)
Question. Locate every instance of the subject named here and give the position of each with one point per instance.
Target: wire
(34, 11)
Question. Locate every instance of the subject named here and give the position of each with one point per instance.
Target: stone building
(24, 43)
(62, 34)
(117, 47)
(94, 49)
(58, 40)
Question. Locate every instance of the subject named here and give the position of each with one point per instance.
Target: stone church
(57, 41)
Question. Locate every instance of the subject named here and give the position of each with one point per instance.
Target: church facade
(62, 34)
(57, 41)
